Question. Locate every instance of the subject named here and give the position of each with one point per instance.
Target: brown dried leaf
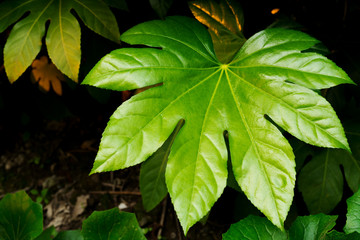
(46, 73)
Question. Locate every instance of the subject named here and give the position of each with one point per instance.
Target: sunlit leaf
(20, 217)
(225, 21)
(46, 73)
(63, 35)
(268, 76)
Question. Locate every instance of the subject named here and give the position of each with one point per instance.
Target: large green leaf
(63, 37)
(225, 21)
(312, 227)
(353, 214)
(321, 180)
(112, 224)
(268, 76)
(152, 174)
(254, 227)
(20, 217)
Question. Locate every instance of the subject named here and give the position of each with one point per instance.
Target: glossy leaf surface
(152, 174)
(63, 36)
(353, 214)
(268, 76)
(21, 218)
(225, 21)
(112, 224)
(254, 227)
(311, 227)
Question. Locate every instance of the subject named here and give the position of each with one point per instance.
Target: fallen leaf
(81, 204)
(46, 73)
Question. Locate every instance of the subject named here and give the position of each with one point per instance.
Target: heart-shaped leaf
(268, 76)
(112, 224)
(21, 218)
(63, 36)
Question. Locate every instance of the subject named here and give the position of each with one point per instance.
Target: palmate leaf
(63, 36)
(268, 76)
(321, 180)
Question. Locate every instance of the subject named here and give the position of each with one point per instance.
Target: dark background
(43, 135)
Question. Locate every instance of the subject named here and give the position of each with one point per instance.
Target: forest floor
(55, 157)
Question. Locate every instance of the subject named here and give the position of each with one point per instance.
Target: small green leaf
(254, 227)
(353, 214)
(225, 21)
(63, 37)
(112, 224)
(152, 174)
(313, 227)
(269, 76)
(321, 182)
(69, 235)
(21, 218)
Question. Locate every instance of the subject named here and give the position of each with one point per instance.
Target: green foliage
(63, 34)
(321, 180)
(111, 224)
(47, 234)
(353, 215)
(312, 227)
(225, 21)
(70, 235)
(152, 174)
(254, 227)
(270, 75)
(21, 218)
